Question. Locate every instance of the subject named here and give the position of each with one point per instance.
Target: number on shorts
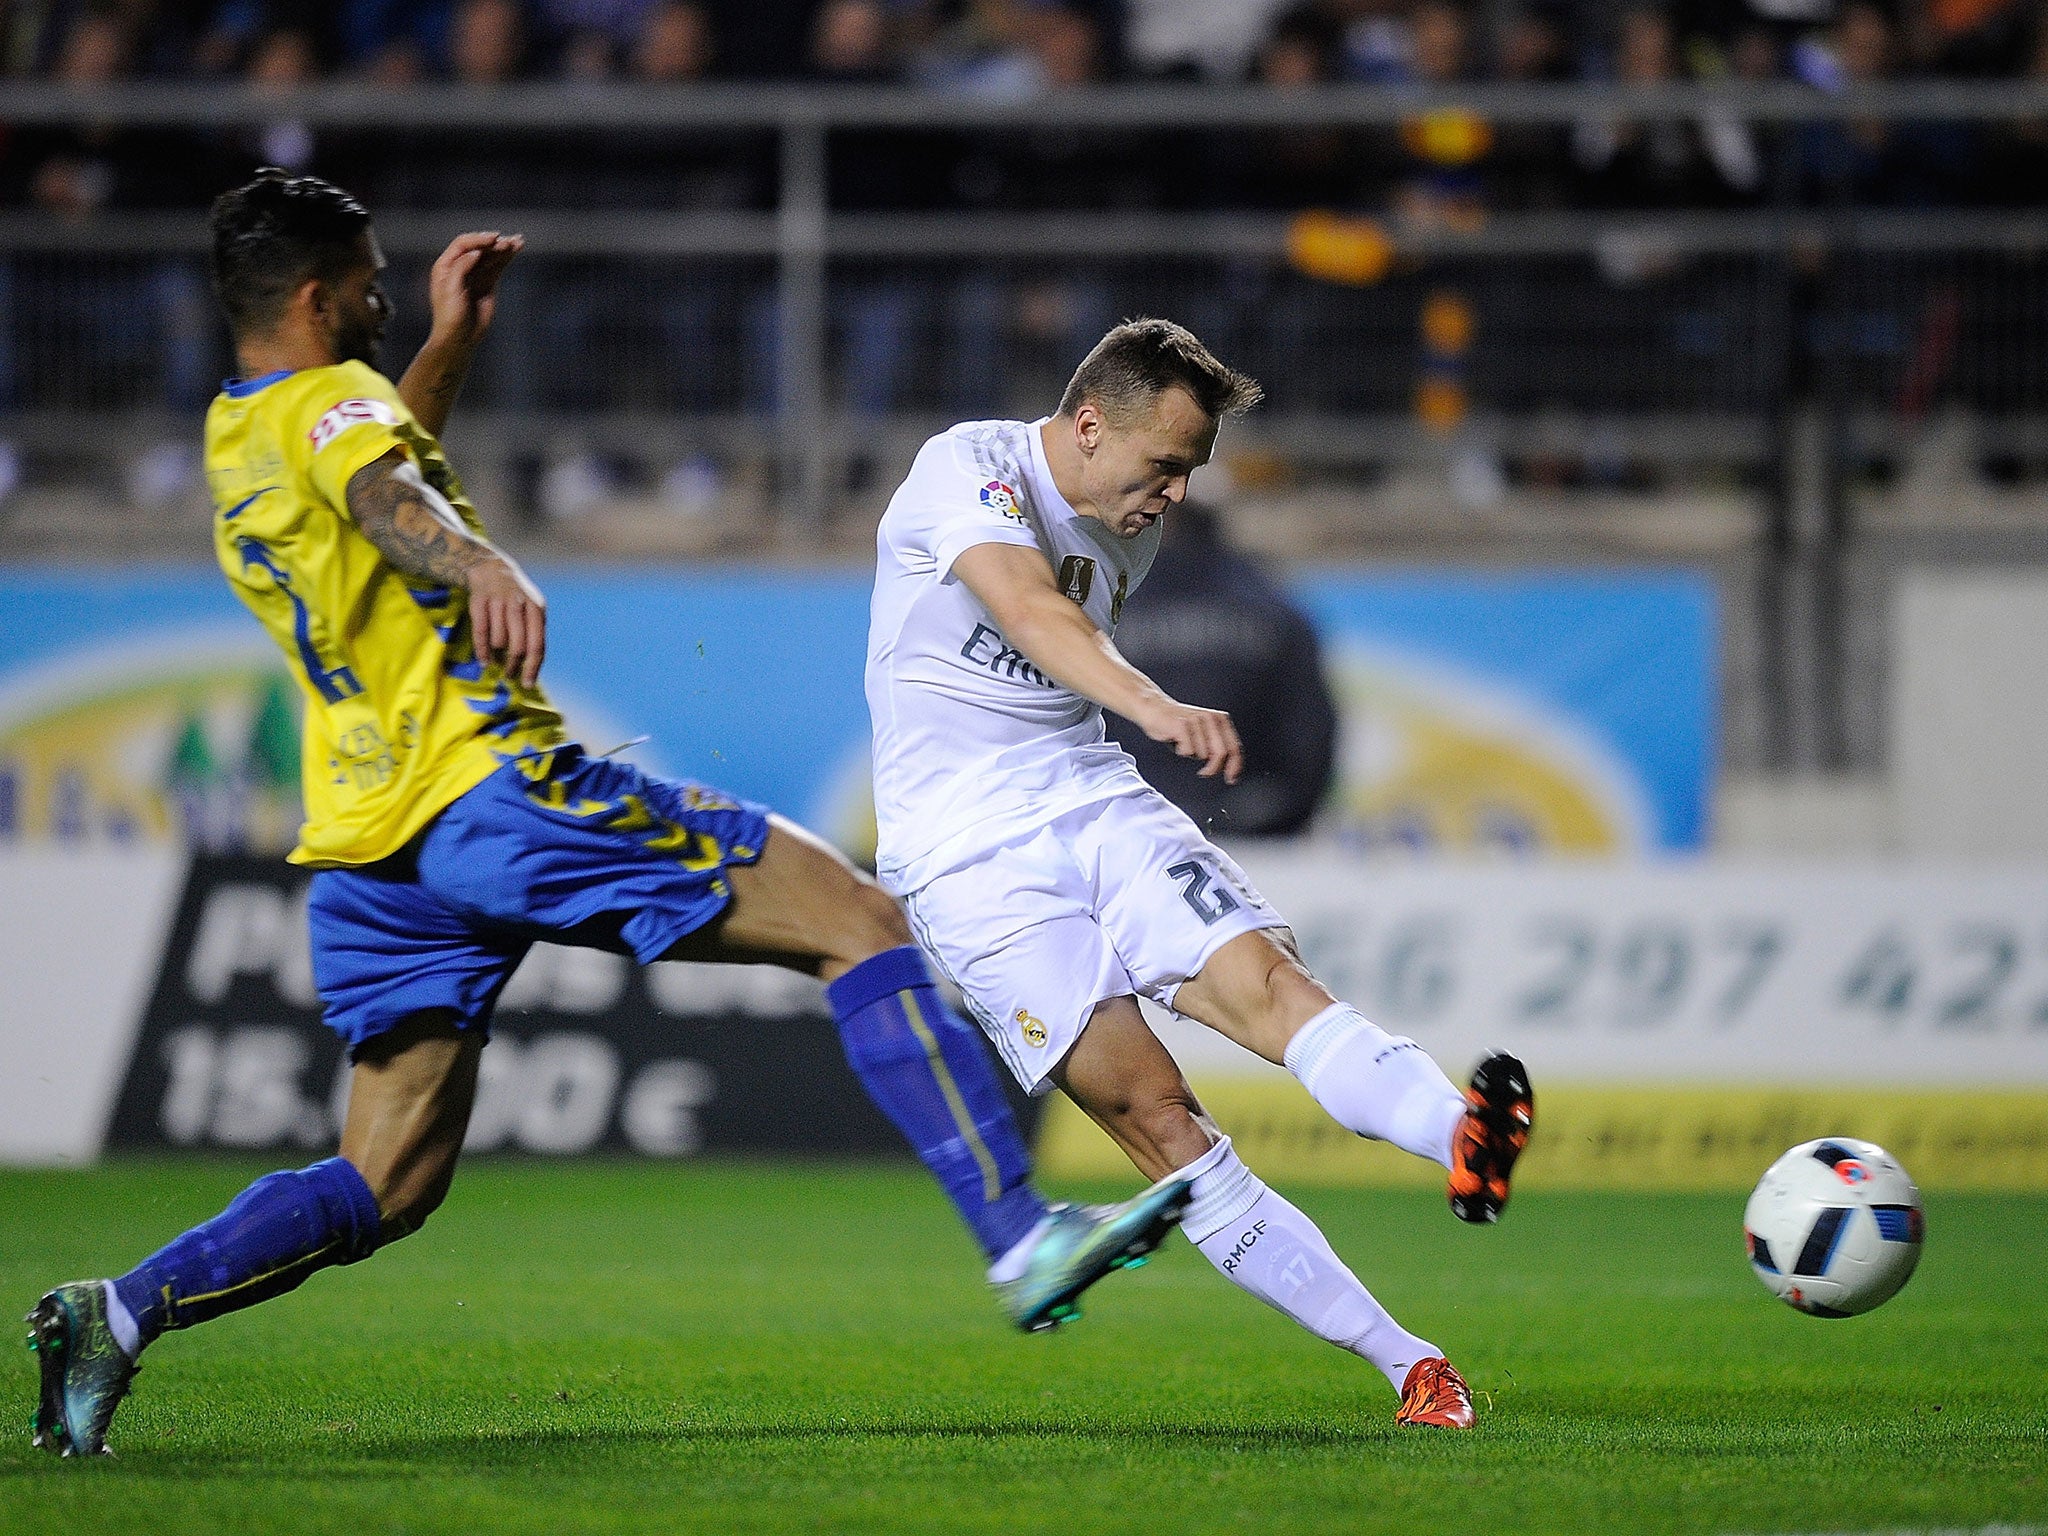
(1209, 901)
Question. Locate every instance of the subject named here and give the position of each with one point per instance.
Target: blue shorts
(558, 846)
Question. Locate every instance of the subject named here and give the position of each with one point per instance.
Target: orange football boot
(1500, 1113)
(1435, 1394)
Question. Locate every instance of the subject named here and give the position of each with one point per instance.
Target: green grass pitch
(615, 1347)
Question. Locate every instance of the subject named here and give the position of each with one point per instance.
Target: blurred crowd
(1013, 46)
(987, 330)
(1450, 166)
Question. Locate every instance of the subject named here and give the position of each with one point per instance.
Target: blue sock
(928, 1071)
(275, 1233)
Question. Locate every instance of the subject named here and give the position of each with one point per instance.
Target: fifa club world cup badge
(1002, 500)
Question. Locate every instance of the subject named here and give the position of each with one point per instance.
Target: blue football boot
(85, 1372)
(1079, 1244)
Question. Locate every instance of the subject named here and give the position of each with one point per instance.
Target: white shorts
(1119, 898)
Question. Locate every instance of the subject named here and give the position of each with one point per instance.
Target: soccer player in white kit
(1056, 887)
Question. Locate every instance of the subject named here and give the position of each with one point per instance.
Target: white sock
(1013, 1259)
(1376, 1084)
(122, 1322)
(1263, 1244)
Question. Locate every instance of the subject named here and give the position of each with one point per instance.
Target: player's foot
(1435, 1394)
(1499, 1116)
(85, 1372)
(1078, 1244)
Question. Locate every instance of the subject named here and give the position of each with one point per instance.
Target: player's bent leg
(1124, 1079)
(1256, 991)
(408, 1105)
(803, 904)
(410, 1094)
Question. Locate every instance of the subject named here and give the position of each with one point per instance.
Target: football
(1834, 1227)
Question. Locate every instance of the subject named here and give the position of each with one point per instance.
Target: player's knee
(874, 921)
(1282, 995)
(1165, 1111)
(1164, 1119)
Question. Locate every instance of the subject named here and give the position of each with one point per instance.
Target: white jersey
(973, 744)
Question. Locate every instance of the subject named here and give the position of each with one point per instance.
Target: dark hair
(274, 233)
(1140, 358)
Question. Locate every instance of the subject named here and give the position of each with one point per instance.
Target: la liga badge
(1002, 499)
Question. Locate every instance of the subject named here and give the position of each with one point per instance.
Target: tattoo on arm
(412, 523)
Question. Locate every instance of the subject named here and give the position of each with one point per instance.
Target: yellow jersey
(401, 716)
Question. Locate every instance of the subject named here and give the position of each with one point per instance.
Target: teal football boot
(1079, 1244)
(85, 1372)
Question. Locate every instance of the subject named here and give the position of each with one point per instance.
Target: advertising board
(1560, 713)
(1684, 1023)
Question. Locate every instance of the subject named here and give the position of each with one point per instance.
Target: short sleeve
(343, 431)
(949, 504)
(963, 508)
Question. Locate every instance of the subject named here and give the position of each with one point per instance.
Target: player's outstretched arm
(462, 292)
(1016, 586)
(415, 529)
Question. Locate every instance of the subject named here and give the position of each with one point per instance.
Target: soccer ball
(1834, 1227)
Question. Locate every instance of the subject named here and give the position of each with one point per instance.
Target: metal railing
(803, 234)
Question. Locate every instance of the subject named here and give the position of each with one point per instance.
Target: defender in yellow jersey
(453, 824)
(402, 715)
